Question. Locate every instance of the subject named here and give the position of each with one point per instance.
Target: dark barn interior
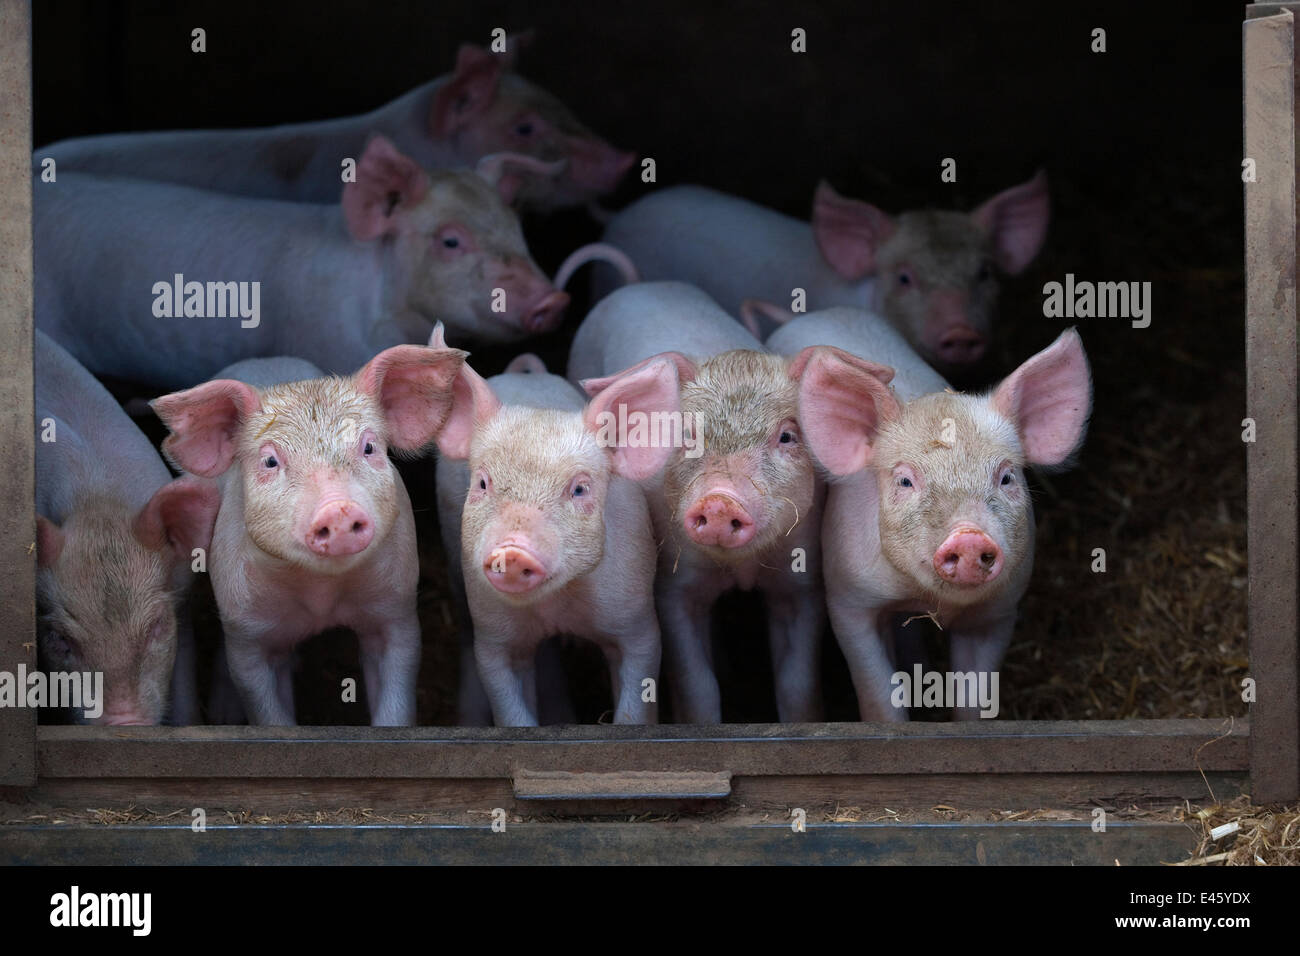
(1142, 144)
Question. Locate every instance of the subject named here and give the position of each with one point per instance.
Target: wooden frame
(1005, 763)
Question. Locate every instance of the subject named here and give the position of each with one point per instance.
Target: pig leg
(858, 631)
(689, 659)
(258, 679)
(980, 649)
(633, 656)
(795, 625)
(390, 660)
(510, 684)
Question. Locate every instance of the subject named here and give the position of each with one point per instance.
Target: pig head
(109, 585)
(455, 249)
(935, 269)
(486, 108)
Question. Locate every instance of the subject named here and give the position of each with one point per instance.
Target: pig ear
(645, 388)
(1016, 222)
(1048, 399)
(181, 514)
(799, 364)
(515, 42)
(842, 406)
(49, 542)
(386, 178)
(472, 404)
(204, 423)
(470, 90)
(686, 372)
(412, 384)
(507, 172)
(849, 232)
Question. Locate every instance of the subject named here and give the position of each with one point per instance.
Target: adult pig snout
(340, 528)
(968, 558)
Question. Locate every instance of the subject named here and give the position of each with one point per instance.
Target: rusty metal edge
(754, 750)
(17, 478)
(1269, 78)
(1048, 843)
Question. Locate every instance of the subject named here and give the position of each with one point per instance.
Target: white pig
(555, 537)
(480, 109)
(315, 528)
(114, 541)
(930, 511)
(330, 284)
(931, 273)
(738, 506)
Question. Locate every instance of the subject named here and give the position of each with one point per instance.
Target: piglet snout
(340, 528)
(545, 314)
(513, 569)
(968, 558)
(960, 345)
(718, 520)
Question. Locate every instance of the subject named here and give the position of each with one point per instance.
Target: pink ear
(509, 171)
(686, 372)
(1016, 221)
(642, 390)
(412, 383)
(842, 406)
(205, 422)
(800, 362)
(849, 232)
(181, 514)
(386, 178)
(49, 542)
(1049, 398)
(473, 403)
(470, 90)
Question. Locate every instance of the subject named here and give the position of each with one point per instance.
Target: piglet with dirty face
(315, 527)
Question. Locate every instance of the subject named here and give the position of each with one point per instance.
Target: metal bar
(17, 480)
(752, 750)
(1269, 72)
(993, 844)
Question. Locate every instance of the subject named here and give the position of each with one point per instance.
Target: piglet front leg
(979, 649)
(795, 624)
(858, 632)
(509, 679)
(633, 657)
(390, 661)
(265, 683)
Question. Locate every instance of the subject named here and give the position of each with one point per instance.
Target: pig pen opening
(1141, 146)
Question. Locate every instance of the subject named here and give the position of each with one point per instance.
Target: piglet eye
(905, 482)
(524, 129)
(482, 484)
(451, 242)
(1007, 478)
(579, 490)
(786, 438)
(369, 448)
(904, 277)
(270, 461)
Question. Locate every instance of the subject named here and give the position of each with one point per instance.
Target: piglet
(315, 528)
(165, 285)
(738, 505)
(114, 536)
(931, 273)
(930, 511)
(480, 108)
(555, 537)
